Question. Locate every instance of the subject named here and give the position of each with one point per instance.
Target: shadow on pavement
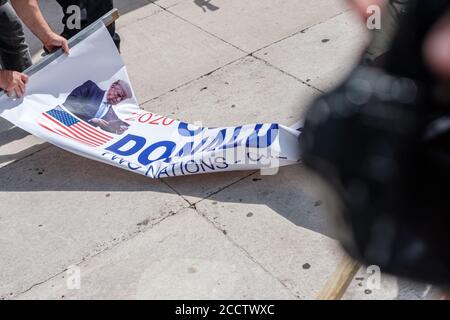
(56, 170)
(206, 5)
(53, 14)
(53, 169)
(11, 134)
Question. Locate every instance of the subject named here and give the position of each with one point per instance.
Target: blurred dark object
(380, 142)
(91, 10)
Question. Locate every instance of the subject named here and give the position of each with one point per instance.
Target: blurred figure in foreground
(380, 143)
(436, 47)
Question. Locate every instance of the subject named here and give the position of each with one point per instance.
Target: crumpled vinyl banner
(84, 103)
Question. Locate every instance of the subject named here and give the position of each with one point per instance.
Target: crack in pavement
(191, 205)
(89, 257)
(247, 54)
(246, 253)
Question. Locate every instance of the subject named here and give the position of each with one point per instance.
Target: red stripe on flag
(72, 132)
(60, 133)
(85, 136)
(95, 131)
(93, 135)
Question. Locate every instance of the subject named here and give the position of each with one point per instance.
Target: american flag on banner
(64, 124)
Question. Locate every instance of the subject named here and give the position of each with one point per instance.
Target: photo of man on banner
(95, 106)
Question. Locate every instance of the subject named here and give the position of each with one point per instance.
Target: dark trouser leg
(115, 36)
(96, 9)
(69, 32)
(14, 53)
(91, 11)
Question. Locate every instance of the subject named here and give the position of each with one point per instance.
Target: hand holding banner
(92, 111)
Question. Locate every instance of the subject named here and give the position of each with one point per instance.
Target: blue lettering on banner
(188, 148)
(221, 163)
(163, 171)
(122, 161)
(205, 165)
(192, 169)
(151, 171)
(144, 158)
(183, 130)
(139, 143)
(190, 166)
(218, 140)
(164, 151)
(257, 141)
(233, 141)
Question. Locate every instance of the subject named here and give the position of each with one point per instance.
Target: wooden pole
(339, 281)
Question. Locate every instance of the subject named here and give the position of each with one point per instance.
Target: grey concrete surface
(240, 92)
(162, 52)
(286, 236)
(229, 235)
(59, 209)
(251, 25)
(322, 55)
(184, 257)
(134, 11)
(16, 144)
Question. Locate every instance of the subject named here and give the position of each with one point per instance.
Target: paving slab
(170, 261)
(5, 125)
(128, 6)
(253, 24)
(246, 91)
(291, 194)
(134, 11)
(163, 52)
(271, 218)
(322, 55)
(16, 144)
(257, 237)
(58, 209)
(171, 3)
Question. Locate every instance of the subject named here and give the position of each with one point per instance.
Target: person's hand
(122, 129)
(436, 48)
(362, 5)
(53, 41)
(99, 122)
(13, 82)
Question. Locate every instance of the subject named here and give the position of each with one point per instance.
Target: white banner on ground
(84, 103)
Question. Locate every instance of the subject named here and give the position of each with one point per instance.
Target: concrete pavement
(225, 236)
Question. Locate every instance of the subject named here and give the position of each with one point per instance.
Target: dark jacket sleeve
(83, 101)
